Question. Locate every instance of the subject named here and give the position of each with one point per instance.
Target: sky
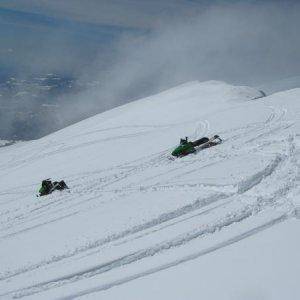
(233, 40)
(128, 13)
(135, 48)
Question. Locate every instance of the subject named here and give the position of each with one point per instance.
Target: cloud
(239, 43)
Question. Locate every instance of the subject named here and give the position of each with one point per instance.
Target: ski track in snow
(166, 175)
(176, 262)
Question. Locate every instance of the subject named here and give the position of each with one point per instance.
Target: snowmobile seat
(60, 185)
(200, 141)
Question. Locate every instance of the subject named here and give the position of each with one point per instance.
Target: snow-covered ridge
(134, 217)
(4, 143)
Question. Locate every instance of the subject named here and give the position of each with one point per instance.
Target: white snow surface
(222, 223)
(4, 143)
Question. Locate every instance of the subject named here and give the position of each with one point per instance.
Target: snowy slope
(137, 225)
(4, 143)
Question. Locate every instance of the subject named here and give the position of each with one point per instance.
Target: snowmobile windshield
(42, 191)
(183, 142)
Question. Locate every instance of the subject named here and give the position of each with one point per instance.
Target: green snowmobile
(185, 147)
(48, 187)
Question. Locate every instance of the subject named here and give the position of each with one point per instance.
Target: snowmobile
(48, 187)
(186, 147)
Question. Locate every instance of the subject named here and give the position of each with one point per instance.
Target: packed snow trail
(131, 211)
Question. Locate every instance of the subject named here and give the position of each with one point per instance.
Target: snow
(5, 143)
(235, 275)
(219, 224)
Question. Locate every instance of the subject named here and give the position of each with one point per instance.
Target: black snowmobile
(186, 147)
(48, 187)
